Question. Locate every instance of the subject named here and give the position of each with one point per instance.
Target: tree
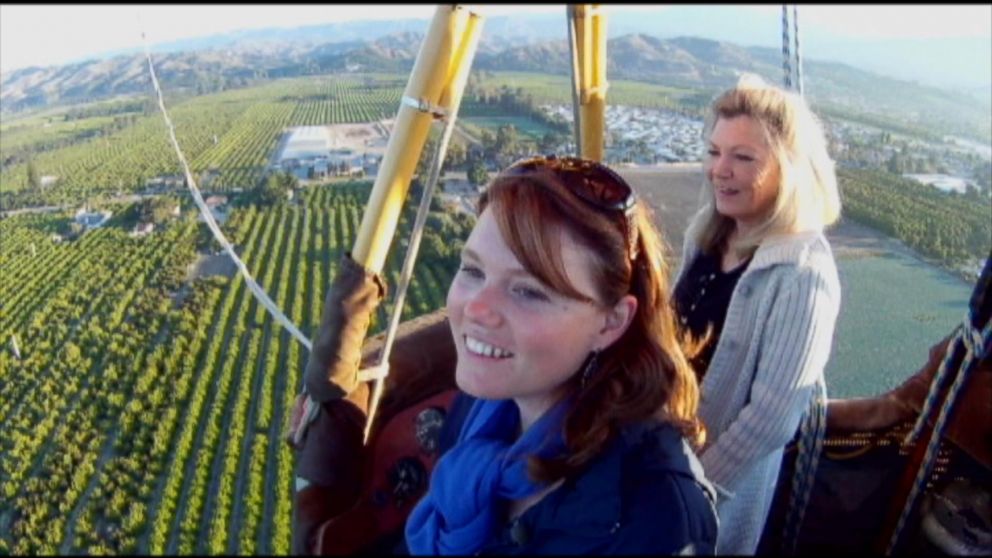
(476, 172)
(157, 210)
(548, 143)
(433, 247)
(455, 157)
(506, 139)
(276, 188)
(34, 182)
(896, 164)
(73, 230)
(426, 157)
(488, 140)
(72, 353)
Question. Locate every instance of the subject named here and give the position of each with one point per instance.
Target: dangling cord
(208, 217)
(382, 370)
(787, 71)
(799, 58)
(936, 387)
(812, 433)
(573, 49)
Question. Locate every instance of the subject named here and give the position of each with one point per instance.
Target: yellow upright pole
(589, 23)
(442, 64)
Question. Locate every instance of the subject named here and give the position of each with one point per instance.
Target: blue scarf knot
(473, 481)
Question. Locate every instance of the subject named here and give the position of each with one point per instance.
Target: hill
(689, 62)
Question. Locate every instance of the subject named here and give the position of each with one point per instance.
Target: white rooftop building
(307, 142)
(92, 220)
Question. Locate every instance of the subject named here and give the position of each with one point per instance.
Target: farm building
(92, 220)
(143, 229)
(311, 152)
(307, 142)
(218, 208)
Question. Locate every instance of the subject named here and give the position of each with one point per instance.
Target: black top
(701, 299)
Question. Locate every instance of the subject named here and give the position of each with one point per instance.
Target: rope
(974, 352)
(936, 386)
(799, 58)
(257, 290)
(411, 257)
(787, 71)
(573, 49)
(812, 433)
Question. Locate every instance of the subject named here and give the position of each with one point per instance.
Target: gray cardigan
(778, 332)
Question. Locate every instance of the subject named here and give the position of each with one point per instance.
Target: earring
(592, 363)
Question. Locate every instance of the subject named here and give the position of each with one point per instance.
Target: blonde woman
(759, 286)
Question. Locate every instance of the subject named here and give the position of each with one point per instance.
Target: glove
(332, 369)
(886, 410)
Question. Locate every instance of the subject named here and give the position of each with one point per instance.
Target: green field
(547, 88)
(38, 130)
(893, 309)
(525, 126)
(233, 132)
(143, 411)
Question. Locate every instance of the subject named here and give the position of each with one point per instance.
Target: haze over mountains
(534, 44)
(922, 52)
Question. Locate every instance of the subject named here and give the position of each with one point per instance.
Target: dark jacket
(645, 494)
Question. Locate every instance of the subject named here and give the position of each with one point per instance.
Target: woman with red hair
(574, 425)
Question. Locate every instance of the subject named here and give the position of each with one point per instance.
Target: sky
(42, 35)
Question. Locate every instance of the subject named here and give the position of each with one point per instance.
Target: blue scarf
(474, 480)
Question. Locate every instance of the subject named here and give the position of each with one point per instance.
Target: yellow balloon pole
(434, 90)
(587, 25)
(442, 66)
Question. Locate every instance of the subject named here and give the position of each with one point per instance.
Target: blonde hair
(807, 197)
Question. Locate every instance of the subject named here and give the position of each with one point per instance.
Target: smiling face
(742, 171)
(517, 338)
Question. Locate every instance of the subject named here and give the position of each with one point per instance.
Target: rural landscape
(144, 391)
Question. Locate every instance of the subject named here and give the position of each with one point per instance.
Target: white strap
(423, 105)
(377, 372)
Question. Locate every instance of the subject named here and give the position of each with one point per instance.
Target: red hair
(645, 373)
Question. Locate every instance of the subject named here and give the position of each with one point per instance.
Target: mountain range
(961, 62)
(245, 57)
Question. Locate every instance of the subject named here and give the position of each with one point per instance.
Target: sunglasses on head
(591, 182)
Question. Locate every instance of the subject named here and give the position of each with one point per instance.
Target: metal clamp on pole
(589, 92)
(423, 105)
